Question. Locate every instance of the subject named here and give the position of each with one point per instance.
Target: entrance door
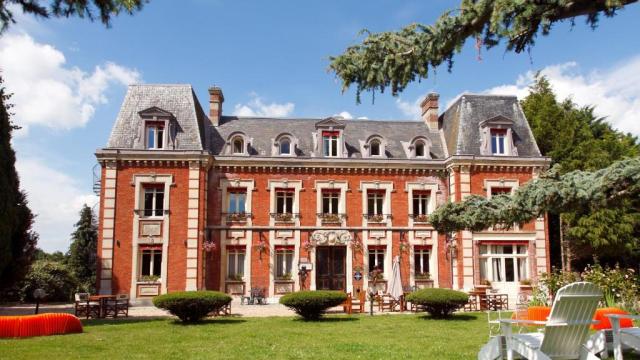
(330, 265)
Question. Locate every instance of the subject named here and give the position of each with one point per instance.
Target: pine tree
(17, 240)
(82, 252)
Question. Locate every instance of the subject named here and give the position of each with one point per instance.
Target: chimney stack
(429, 107)
(215, 105)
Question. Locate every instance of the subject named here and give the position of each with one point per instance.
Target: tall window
(420, 261)
(503, 263)
(500, 191)
(235, 264)
(419, 149)
(330, 202)
(376, 258)
(238, 145)
(237, 201)
(284, 201)
(375, 202)
(150, 264)
(374, 148)
(285, 146)
(155, 135)
(498, 138)
(153, 200)
(330, 143)
(421, 203)
(284, 263)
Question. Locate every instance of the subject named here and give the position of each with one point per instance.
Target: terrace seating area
(101, 306)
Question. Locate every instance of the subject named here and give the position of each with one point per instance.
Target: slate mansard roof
(459, 132)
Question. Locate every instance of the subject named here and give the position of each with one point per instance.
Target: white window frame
(283, 140)
(422, 252)
(155, 189)
(331, 139)
(331, 195)
(151, 262)
(235, 253)
(380, 148)
(499, 135)
(375, 251)
(492, 254)
(424, 203)
(231, 197)
(424, 149)
(285, 195)
(284, 256)
(156, 128)
(376, 195)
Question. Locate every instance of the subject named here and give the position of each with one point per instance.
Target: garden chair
(565, 332)
(387, 302)
(257, 296)
(85, 307)
(117, 306)
(627, 337)
(358, 304)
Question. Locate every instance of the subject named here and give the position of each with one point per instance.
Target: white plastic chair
(565, 332)
(628, 337)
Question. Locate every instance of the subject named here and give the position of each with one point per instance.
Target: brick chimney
(429, 107)
(215, 105)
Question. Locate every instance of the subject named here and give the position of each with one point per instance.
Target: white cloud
(345, 115)
(410, 109)
(48, 93)
(56, 198)
(257, 107)
(614, 92)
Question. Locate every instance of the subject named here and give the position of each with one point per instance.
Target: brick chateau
(198, 200)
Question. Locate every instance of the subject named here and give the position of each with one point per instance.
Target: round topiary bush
(439, 302)
(191, 306)
(312, 304)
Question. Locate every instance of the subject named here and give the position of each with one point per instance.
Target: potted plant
(375, 218)
(421, 218)
(283, 217)
(484, 285)
(237, 217)
(423, 280)
(284, 277)
(149, 278)
(330, 218)
(235, 278)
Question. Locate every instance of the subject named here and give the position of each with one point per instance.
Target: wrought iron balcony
(420, 218)
(237, 216)
(331, 218)
(376, 218)
(284, 217)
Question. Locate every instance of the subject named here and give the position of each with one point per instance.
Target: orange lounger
(39, 325)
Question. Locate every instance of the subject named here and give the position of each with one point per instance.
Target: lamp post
(38, 294)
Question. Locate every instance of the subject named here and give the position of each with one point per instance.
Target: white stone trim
(138, 181)
(296, 185)
(108, 221)
(193, 229)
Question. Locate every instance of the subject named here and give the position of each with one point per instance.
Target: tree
(396, 58)
(576, 139)
(17, 240)
(83, 249)
(67, 8)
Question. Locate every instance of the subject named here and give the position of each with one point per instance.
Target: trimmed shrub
(191, 306)
(312, 304)
(439, 303)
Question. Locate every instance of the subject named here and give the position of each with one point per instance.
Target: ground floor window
(150, 264)
(376, 258)
(421, 262)
(503, 263)
(284, 263)
(235, 264)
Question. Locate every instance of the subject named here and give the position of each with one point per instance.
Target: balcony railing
(420, 218)
(330, 218)
(284, 217)
(237, 216)
(376, 218)
(150, 212)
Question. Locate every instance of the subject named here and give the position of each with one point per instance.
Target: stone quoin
(193, 201)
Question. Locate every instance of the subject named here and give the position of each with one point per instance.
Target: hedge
(439, 302)
(311, 305)
(192, 306)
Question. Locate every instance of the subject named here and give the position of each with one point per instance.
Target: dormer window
(285, 146)
(155, 135)
(498, 139)
(330, 143)
(238, 145)
(419, 149)
(374, 148)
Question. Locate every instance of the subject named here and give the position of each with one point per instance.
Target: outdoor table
(102, 299)
(491, 301)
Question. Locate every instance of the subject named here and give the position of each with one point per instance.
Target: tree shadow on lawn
(121, 321)
(326, 319)
(214, 321)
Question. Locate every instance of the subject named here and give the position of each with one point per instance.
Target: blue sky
(270, 58)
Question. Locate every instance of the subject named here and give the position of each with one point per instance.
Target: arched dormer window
(237, 144)
(420, 148)
(374, 148)
(285, 146)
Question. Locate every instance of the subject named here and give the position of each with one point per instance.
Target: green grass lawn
(335, 337)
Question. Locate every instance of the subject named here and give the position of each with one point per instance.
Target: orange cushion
(604, 322)
(39, 325)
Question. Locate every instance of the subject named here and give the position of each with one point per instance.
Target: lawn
(335, 337)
